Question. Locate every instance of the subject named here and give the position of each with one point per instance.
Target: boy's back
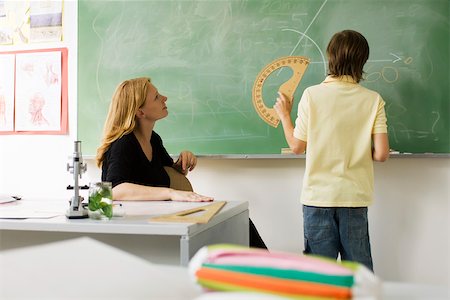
(337, 119)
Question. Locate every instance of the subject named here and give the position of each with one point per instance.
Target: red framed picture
(34, 91)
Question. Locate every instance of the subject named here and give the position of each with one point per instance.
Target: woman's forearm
(131, 191)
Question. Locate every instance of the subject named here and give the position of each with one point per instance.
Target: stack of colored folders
(225, 267)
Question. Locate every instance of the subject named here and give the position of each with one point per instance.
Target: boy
(343, 126)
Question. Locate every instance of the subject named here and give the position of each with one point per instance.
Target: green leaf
(94, 201)
(93, 206)
(95, 198)
(104, 204)
(105, 193)
(108, 211)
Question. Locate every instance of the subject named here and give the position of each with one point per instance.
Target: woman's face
(154, 107)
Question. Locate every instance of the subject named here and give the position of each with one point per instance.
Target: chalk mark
(438, 116)
(396, 56)
(315, 44)
(307, 28)
(97, 69)
(304, 34)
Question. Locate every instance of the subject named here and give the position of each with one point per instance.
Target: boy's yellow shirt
(337, 119)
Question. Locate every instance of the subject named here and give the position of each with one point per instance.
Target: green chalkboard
(205, 56)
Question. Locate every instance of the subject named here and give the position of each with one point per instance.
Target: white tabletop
(49, 215)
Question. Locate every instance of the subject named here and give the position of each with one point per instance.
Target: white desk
(158, 242)
(83, 268)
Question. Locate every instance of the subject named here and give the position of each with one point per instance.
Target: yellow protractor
(298, 64)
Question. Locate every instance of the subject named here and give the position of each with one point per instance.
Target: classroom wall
(36, 164)
(409, 221)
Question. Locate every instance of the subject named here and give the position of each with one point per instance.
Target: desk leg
(232, 231)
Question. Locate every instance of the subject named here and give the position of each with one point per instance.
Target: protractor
(298, 64)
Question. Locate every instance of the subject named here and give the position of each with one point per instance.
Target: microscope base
(72, 214)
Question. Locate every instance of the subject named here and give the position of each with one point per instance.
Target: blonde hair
(129, 96)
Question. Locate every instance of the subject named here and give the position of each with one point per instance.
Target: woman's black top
(126, 162)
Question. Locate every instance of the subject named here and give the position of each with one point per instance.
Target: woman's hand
(283, 107)
(186, 162)
(176, 195)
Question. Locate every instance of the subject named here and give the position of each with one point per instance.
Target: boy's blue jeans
(329, 231)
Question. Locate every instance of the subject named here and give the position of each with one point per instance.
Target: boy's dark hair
(347, 52)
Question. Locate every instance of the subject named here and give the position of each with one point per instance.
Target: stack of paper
(236, 268)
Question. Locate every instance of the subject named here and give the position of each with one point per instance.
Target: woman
(132, 155)
(134, 165)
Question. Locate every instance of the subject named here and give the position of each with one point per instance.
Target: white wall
(36, 164)
(409, 223)
(409, 220)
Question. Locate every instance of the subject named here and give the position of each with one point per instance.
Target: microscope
(76, 210)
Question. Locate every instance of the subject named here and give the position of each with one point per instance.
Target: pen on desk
(118, 210)
(85, 205)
